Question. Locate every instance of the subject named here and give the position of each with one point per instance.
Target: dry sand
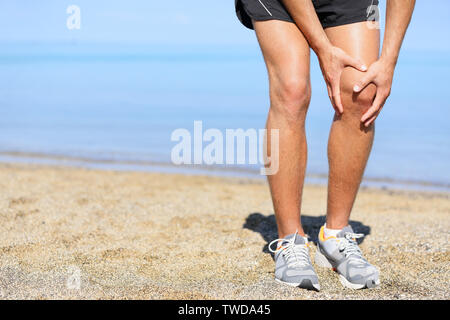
(131, 235)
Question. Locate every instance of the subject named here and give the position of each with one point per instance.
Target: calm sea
(115, 106)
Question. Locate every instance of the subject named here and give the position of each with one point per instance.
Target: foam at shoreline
(220, 171)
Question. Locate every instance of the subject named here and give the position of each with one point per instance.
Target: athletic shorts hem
(344, 21)
(268, 19)
(325, 25)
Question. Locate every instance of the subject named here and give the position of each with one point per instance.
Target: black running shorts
(331, 13)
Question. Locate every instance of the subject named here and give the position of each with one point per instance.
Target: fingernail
(356, 88)
(364, 68)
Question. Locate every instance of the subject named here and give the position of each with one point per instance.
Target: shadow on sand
(267, 227)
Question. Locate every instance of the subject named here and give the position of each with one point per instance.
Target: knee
(356, 103)
(291, 97)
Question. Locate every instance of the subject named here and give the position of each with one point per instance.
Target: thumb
(362, 83)
(355, 63)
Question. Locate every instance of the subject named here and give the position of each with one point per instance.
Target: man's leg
(348, 150)
(350, 143)
(287, 55)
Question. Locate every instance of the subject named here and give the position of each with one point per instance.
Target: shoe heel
(321, 261)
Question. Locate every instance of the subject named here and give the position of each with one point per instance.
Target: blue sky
(180, 22)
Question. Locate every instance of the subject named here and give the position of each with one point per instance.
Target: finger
(337, 97)
(330, 95)
(369, 113)
(369, 122)
(329, 91)
(363, 82)
(355, 63)
(372, 119)
(377, 104)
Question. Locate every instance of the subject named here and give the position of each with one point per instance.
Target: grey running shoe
(293, 264)
(343, 255)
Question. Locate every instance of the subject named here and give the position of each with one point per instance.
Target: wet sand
(93, 234)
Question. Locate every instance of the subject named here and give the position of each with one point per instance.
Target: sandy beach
(92, 234)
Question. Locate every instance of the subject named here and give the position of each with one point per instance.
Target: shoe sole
(305, 284)
(357, 286)
(323, 262)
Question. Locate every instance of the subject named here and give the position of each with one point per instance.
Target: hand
(380, 74)
(333, 60)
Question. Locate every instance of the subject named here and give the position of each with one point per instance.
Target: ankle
(282, 233)
(335, 225)
(330, 232)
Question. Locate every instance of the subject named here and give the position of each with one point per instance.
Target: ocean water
(113, 105)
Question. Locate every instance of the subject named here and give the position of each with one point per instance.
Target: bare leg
(286, 53)
(350, 143)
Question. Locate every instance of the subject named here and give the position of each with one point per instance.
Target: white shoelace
(297, 255)
(350, 247)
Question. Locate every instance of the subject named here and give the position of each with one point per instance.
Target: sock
(330, 232)
(280, 243)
